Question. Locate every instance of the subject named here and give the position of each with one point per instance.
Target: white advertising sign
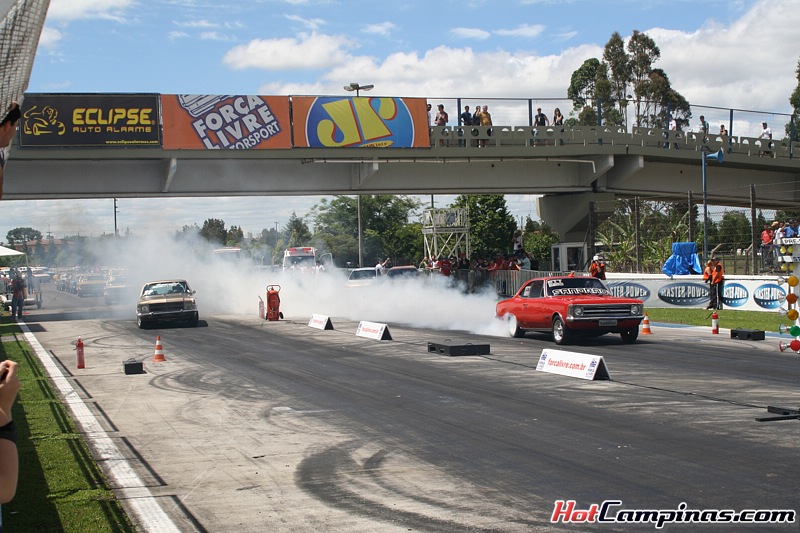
(320, 322)
(573, 364)
(373, 330)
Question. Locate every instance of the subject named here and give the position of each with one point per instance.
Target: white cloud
(311, 24)
(67, 10)
(204, 24)
(50, 37)
(523, 30)
(312, 51)
(384, 28)
(215, 36)
(174, 35)
(470, 33)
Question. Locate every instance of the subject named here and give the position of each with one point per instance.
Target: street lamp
(356, 87)
(718, 158)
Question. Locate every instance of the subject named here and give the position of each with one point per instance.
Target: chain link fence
(636, 234)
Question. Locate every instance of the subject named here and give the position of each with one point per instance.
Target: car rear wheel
(629, 336)
(513, 328)
(560, 332)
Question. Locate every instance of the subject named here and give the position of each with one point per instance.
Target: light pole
(718, 157)
(357, 88)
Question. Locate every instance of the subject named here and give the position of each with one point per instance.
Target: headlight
(635, 309)
(144, 308)
(577, 310)
(189, 304)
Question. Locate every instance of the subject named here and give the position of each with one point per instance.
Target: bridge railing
(453, 137)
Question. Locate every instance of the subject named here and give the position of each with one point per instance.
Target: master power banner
(333, 121)
(208, 121)
(90, 120)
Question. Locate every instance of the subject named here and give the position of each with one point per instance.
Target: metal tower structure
(21, 23)
(446, 232)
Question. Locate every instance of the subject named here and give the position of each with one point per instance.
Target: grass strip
(728, 318)
(60, 487)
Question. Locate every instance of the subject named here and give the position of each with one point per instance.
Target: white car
(361, 277)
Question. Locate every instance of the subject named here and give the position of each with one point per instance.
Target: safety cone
(646, 325)
(715, 323)
(158, 356)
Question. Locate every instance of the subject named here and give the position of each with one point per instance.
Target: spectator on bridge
(8, 128)
(466, 117)
(558, 118)
(703, 126)
(723, 131)
(9, 459)
(476, 116)
(766, 134)
(430, 123)
(539, 120)
(441, 116)
(485, 120)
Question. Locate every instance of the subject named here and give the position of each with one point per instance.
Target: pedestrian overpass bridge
(569, 167)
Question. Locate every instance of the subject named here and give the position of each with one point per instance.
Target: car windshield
(362, 274)
(405, 272)
(156, 289)
(571, 286)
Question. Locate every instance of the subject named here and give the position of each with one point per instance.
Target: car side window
(535, 289)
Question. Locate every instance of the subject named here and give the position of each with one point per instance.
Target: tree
(792, 129)
(538, 240)
(385, 226)
(619, 68)
(491, 226)
(297, 232)
(234, 236)
(643, 52)
(20, 235)
(213, 231)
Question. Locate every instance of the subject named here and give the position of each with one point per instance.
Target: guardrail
(467, 137)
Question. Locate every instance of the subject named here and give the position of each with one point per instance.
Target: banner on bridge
(208, 121)
(90, 120)
(360, 122)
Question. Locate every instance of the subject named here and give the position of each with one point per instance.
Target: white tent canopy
(9, 251)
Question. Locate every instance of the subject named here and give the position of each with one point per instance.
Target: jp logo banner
(332, 122)
(90, 120)
(205, 121)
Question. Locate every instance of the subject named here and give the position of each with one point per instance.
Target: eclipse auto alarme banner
(330, 122)
(205, 121)
(90, 120)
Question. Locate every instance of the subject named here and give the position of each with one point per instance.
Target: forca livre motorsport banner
(206, 121)
(90, 120)
(332, 121)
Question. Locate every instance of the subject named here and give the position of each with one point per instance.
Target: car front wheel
(560, 332)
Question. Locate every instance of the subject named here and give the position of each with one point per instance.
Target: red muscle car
(569, 307)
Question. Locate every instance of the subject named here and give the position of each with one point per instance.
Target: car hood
(160, 298)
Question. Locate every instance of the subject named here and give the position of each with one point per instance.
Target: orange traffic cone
(158, 356)
(646, 325)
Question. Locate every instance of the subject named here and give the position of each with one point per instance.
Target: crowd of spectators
(771, 241)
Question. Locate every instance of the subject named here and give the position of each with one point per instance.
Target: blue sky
(731, 54)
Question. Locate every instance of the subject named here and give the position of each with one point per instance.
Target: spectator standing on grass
(8, 128)
(9, 459)
(17, 295)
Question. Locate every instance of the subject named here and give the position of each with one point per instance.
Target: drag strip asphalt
(275, 426)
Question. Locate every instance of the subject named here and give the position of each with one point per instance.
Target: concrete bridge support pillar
(568, 214)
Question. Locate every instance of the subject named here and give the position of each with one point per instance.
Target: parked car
(569, 307)
(166, 301)
(361, 277)
(90, 285)
(117, 290)
(403, 272)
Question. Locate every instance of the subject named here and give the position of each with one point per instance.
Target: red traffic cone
(158, 356)
(646, 325)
